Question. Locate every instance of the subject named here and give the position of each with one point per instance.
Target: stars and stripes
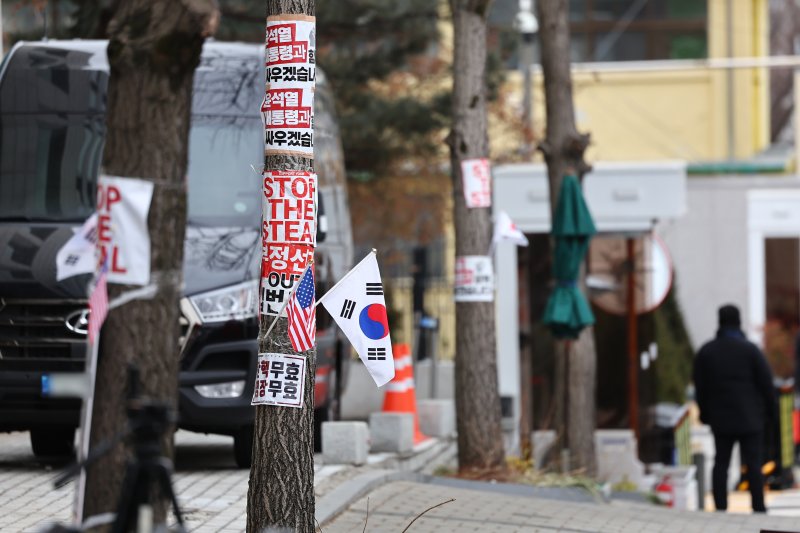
(98, 304)
(302, 314)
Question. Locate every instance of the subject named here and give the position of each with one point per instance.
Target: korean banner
(477, 180)
(280, 380)
(474, 279)
(288, 106)
(291, 50)
(122, 237)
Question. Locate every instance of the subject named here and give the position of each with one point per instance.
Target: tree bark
(281, 490)
(154, 48)
(563, 150)
(480, 443)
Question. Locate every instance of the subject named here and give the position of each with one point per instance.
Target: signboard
(288, 106)
(289, 233)
(477, 180)
(280, 380)
(474, 279)
(122, 237)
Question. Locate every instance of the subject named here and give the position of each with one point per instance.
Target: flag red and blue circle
(373, 321)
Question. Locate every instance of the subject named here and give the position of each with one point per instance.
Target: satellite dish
(607, 273)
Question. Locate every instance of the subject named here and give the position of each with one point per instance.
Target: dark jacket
(733, 385)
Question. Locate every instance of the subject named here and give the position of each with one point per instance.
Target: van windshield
(52, 130)
(225, 161)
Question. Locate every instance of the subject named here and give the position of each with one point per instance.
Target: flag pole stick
(374, 251)
(289, 297)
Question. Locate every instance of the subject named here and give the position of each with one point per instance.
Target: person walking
(735, 395)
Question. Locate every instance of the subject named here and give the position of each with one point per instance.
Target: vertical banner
(122, 237)
(289, 233)
(477, 179)
(288, 106)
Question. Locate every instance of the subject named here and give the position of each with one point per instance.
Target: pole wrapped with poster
(283, 454)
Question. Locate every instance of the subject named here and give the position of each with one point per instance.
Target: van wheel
(53, 443)
(243, 447)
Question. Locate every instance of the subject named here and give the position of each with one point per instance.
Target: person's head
(729, 316)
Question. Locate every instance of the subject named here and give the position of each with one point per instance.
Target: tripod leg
(164, 477)
(129, 498)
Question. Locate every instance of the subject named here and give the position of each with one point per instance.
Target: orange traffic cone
(400, 396)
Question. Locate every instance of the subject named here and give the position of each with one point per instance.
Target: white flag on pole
(358, 306)
(506, 230)
(77, 256)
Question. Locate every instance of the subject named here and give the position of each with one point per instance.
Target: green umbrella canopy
(567, 311)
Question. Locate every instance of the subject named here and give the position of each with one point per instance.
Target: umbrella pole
(633, 362)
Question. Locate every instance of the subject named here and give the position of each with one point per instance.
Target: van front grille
(39, 331)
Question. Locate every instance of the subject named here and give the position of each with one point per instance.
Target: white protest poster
(122, 207)
(288, 107)
(474, 279)
(477, 180)
(77, 256)
(289, 233)
(280, 380)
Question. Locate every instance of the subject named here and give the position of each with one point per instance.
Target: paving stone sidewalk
(393, 506)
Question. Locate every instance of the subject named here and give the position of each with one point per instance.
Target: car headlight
(230, 389)
(236, 302)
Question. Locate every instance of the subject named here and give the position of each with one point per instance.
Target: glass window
(627, 30)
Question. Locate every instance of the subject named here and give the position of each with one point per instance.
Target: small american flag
(98, 304)
(302, 314)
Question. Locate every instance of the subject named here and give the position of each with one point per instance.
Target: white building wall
(711, 253)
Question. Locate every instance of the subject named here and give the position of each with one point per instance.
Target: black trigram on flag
(374, 289)
(347, 309)
(376, 354)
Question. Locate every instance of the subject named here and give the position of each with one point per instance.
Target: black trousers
(751, 445)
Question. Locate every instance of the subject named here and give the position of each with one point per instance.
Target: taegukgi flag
(358, 306)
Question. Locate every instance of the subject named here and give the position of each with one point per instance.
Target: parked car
(52, 128)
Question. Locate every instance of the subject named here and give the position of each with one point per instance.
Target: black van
(52, 128)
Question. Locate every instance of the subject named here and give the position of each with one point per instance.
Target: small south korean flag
(358, 306)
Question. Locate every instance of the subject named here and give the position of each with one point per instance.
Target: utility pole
(563, 149)
(480, 443)
(281, 491)
(527, 26)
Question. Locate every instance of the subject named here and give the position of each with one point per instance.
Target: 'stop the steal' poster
(288, 106)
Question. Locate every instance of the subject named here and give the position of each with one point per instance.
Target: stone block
(345, 442)
(391, 432)
(437, 418)
(618, 457)
(541, 440)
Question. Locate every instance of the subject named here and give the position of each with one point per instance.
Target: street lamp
(527, 26)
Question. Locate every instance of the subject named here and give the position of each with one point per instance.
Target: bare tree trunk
(563, 150)
(154, 48)
(281, 491)
(480, 443)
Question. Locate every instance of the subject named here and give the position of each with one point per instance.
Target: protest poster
(477, 179)
(122, 236)
(289, 233)
(288, 106)
(474, 279)
(280, 380)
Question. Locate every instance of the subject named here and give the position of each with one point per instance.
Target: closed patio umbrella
(567, 311)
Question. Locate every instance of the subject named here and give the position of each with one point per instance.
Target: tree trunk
(480, 443)
(281, 491)
(154, 48)
(563, 150)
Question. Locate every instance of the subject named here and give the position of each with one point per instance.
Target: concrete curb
(333, 504)
(407, 467)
